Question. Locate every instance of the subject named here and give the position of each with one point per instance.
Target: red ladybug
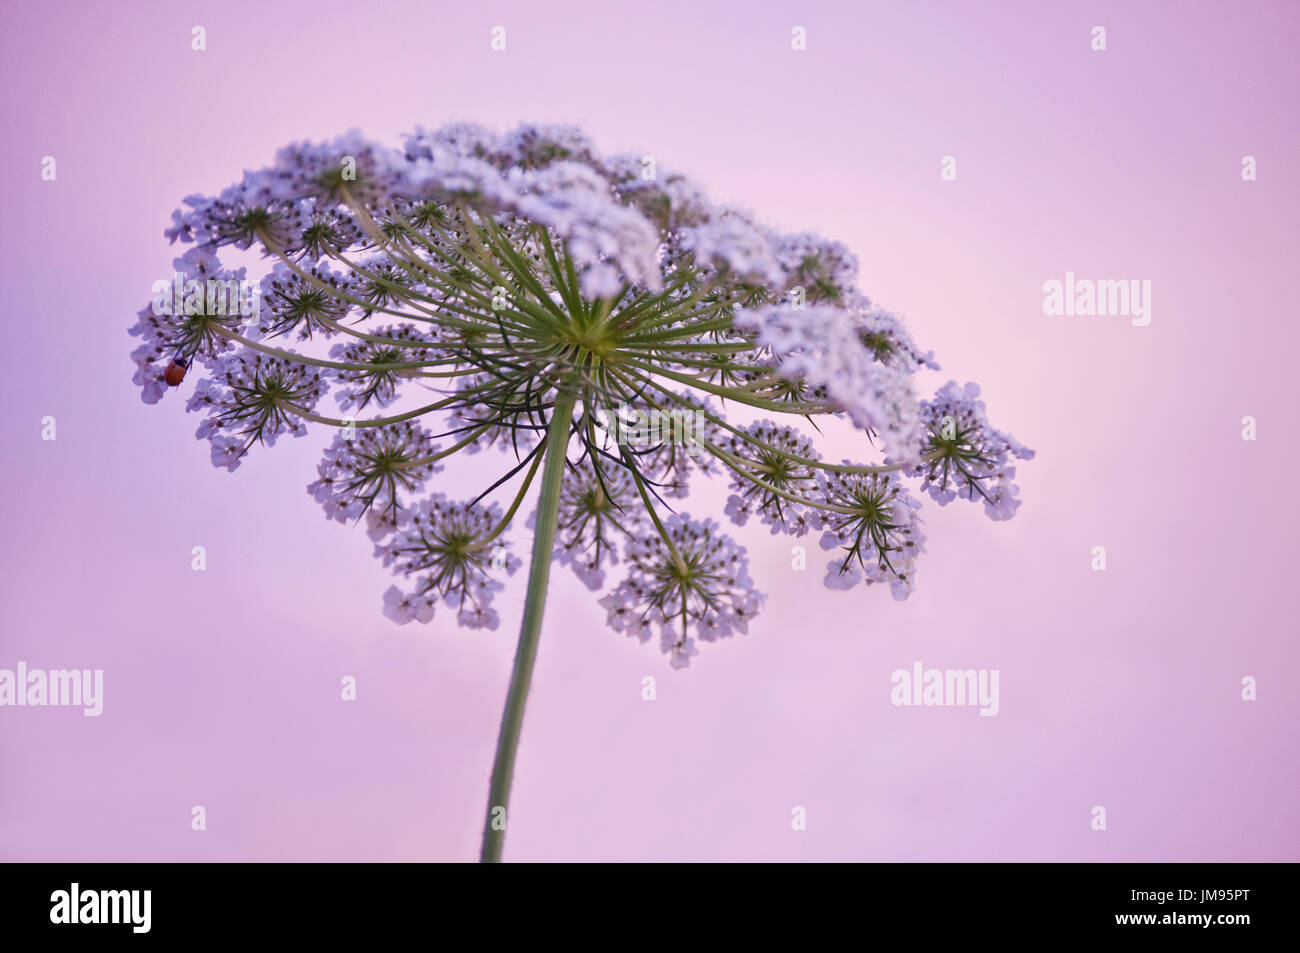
(175, 372)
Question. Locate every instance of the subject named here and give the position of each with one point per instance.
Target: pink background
(1119, 689)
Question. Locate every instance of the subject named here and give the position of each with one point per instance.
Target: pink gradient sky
(1118, 688)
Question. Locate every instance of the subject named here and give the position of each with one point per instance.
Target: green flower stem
(514, 508)
(316, 362)
(659, 526)
(739, 397)
(306, 414)
(548, 510)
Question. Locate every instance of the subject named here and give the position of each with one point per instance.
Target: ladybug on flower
(175, 372)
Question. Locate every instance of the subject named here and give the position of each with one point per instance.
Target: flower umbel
(691, 582)
(475, 290)
(876, 526)
(447, 547)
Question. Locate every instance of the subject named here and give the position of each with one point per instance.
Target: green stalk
(548, 509)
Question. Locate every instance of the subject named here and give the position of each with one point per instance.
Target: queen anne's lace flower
(451, 552)
(375, 467)
(599, 510)
(476, 289)
(776, 473)
(383, 282)
(669, 200)
(348, 168)
(537, 146)
(252, 398)
(378, 363)
(731, 240)
(692, 584)
(459, 140)
(199, 320)
(887, 338)
(306, 300)
(875, 527)
(480, 286)
(967, 457)
(826, 271)
(327, 233)
(242, 215)
(822, 346)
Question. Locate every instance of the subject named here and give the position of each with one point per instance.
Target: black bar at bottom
(139, 902)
